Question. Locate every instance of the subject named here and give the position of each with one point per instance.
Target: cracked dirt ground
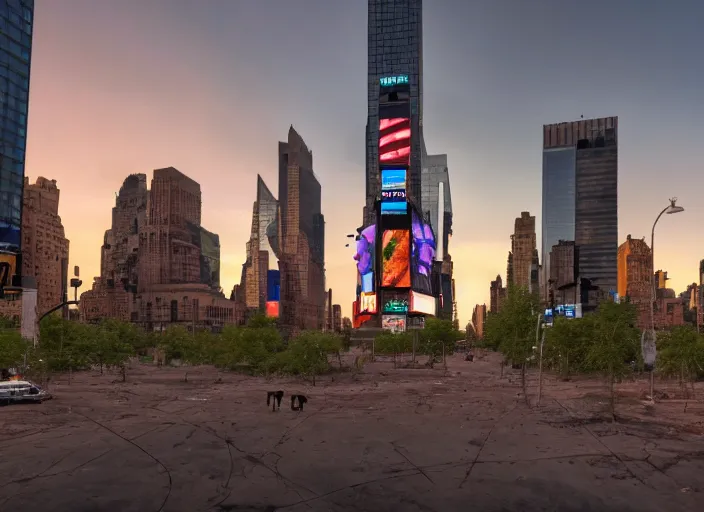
(384, 440)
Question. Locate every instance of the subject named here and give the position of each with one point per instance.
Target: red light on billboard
(395, 140)
(388, 123)
(272, 309)
(397, 156)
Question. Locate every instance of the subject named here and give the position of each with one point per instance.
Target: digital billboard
(393, 191)
(422, 254)
(396, 268)
(8, 264)
(393, 323)
(395, 141)
(365, 257)
(273, 285)
(421, 303)
(367, 303)
(395, 305)
(272, 309)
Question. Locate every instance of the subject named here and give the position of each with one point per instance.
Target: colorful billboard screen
(273, 285)
(393, 323)
(421, 303)
(395, 141)
(368, 282)
(365, 250)
(367, 303)
(395, 305)
(396, 271)
(393, 191)
(422, 254)
(8, 266)
(272, 309)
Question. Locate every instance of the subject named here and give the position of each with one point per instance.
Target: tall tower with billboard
(16, 52)
(394, 57)
(396, 251)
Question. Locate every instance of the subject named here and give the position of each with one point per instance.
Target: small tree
(513, 329)
(681, 353)
(438, 338)
(615, 343)
(307, 354)
(12, 348)
(567, 343)
(390, 343)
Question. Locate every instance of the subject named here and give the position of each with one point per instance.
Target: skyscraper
(302, 243)
(394, 55)
(261, 256)
(580, 200)
(16, 24)
(522, 248)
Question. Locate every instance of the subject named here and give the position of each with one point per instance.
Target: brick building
(497, 294)
(523, 246)
(479, 320)
(44, 247)
(159, 266)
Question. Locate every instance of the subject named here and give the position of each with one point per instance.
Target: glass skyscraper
(580, 200)
(394, 48)
(16, 21)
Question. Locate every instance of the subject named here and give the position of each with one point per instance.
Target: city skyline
(101, 110)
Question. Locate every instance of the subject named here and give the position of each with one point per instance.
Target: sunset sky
(211, 86)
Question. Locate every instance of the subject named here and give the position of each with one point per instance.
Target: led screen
(395, 141)
(393, 191)
(365, 250)
(8, 264)
(396, 306)
(368, 282)
(422, 254)
(393, 323)
(367, 303)
(396, 271)
(272, 309)
(421, 303)
(273, 285)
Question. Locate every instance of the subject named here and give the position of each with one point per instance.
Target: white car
(14, 391)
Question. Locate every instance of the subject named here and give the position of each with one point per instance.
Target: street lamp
(670, 209)
(650, 340)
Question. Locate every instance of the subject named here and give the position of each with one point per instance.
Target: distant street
(383, 440)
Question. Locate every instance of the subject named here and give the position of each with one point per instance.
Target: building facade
(16, 29)
(159, 266)
(562, 283)
(395, 52)
(635, 268)
(580, 201)
(44, 247)
(479, 320)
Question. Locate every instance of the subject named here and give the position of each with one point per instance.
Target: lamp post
(669, 209)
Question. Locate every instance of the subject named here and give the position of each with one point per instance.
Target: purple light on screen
(365, 250)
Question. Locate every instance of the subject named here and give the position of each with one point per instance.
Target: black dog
(301, 400)
(278, 395)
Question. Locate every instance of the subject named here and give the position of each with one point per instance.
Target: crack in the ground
(168, 473)
(397, 450)
(468, 473)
